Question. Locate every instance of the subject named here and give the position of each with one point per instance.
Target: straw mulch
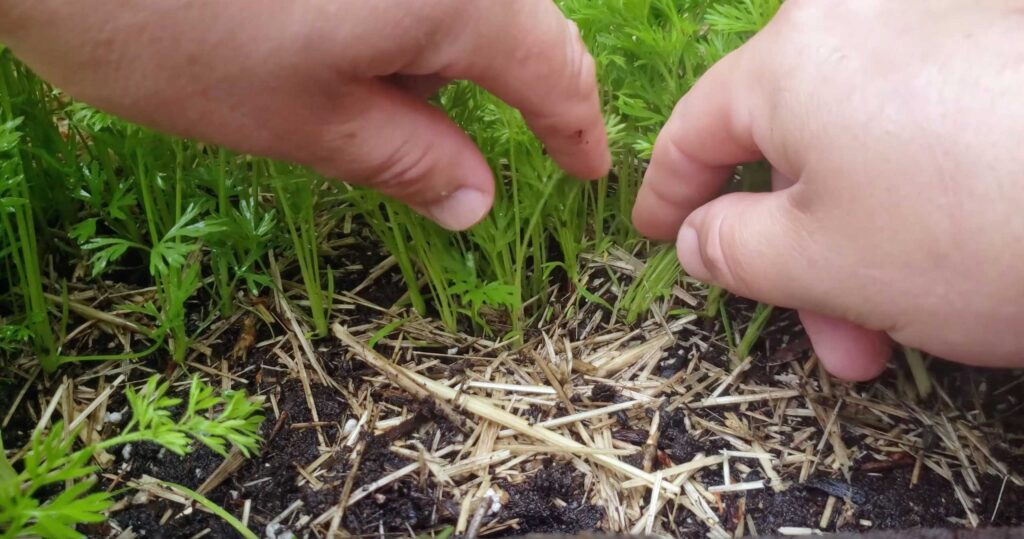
(651, 429)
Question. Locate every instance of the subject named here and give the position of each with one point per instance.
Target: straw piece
(418, 384)
(739, 399)
(737, 487)
(634, 355)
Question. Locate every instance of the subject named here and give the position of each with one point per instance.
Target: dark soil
(551, 501)
(552, 498)
(269, 481)
(18, 432)
(352, 263)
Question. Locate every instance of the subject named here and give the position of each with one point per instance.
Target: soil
(551, 502)
(18, 432)
(552, 499)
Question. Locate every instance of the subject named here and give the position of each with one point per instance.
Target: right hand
(896, 133)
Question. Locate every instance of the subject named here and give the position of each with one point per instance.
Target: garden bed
(545, 371)
(767, 445)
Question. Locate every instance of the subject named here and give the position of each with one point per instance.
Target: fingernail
(688, 250)
(460, 210)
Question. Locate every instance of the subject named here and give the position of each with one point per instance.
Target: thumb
(757, 246)
(410, 151)
(754, 245)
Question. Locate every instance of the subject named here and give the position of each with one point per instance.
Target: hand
(895, 130)
(340, 86)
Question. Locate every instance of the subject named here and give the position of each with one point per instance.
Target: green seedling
(654, 282)
(29, 506)
(296, 196)
(172, 264)
(918, 371)
(20, 246)
(758, 321)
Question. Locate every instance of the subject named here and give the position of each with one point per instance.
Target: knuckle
(675, 148)
(672, 192)
(401, 172)
(719, 245)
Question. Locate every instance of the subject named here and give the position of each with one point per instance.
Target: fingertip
(689, 252)
(582, 152)
(586, 165)
(573, 125)
(532, 57)
(469, 202)
(461, 210)
(655, 217)
(602, 160)
(847, 351)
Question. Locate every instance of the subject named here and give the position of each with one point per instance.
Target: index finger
(529, 55)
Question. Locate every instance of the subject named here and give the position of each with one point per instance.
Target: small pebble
(350, 426)
(495, 500)
(275, 530)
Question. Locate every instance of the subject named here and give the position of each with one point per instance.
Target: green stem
(224, 283)
(919, 371)
(303, 237)
(27, 261)
(762, 314)
(714, 298)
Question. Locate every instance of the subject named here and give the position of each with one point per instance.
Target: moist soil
(546, 502)
(550, 499)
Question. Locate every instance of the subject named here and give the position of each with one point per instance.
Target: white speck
(275, 530)
(349, 427)
(453, 350)
(495, 501)
(141, 497)
(126, 451)
(113, 417)
(787, 379)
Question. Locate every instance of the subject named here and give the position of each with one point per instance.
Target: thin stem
(224, 283)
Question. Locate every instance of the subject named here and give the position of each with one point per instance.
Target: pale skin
(895, 130)
(338, 85)
(896, 133)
